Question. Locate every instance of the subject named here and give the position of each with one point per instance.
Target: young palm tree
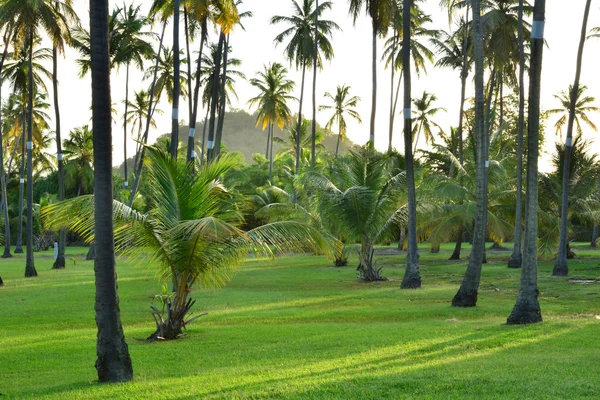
(342, 104)
(422, 122)
(192, 232)
(560, 267)
(527, 307)
(113, 363)
(272, 101)
(301, 45)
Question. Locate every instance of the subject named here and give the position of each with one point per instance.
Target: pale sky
(351, 66)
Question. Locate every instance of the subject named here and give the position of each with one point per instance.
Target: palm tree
(3, 193)
(527, 307)
(79, 160)
(113, 363)
(25, 18)
(137, 113)
(192, 232)
(583, 106)
(381, 13)
(342, 104)
(301, 45)
(272, 101)
(560, 267)
(423, 122)
(164, 81)
(467, 294)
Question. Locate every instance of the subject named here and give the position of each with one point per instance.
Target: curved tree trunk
(62, 236)
(176, 81)
(527, 308)
(458, 247)
(515, 258)
(314, 93)
(30, 270)
(113, 363)
(467, 294)
(412, 278)
(560, 267)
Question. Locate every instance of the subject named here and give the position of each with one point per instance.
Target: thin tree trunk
(527, 308)
(271, 154)
(113, 363)
(515, 258)
(176, 81)
(139, 157)
(204, 135)
(560, 267)
(467, 294)
(393, 116)
(457, 247)
(30, 270)
(464, 74)
(392, 105)
(412, 278)
(223, 100)
(195, 101)
(6, 253)
(19, 246)
(298, 130)
(313, 156)
(62, 236)
(268, 141)
(374, 89)
(186, 28)
(594, 235)
(215, 99)
(125, 172)
(339, 139)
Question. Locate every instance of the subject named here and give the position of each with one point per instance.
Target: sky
(351, 66)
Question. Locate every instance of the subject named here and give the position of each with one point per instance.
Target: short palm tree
(423, 121)
(192, 232)
(272, 103)
(343, 104)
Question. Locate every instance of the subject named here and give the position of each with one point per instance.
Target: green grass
(296, 328)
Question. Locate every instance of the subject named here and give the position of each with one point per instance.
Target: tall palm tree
(3, 192)
(271, 102)
(560, 267)
(25, 18)
(300, 48)
(113, 363)
(137, 113)
(164, 84)
(584, 105)
(467, 294)
(381, 13)
(423, 121)
(527, 307)
(79, 160)
(342, 104)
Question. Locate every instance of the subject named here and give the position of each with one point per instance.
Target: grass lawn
(297, 328)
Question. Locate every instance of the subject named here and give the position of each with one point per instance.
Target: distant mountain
(241, 134)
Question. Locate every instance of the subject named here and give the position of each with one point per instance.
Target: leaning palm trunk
(30, 270)
(113, 363)
(467, 294)
(62, 236)
(560, 267)
(527, 307)
(515, 258)
(412, 278)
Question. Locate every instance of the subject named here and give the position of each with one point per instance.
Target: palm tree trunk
(339, 139)
(527, 308)
(222, 101)
(464, 74)
(298, 130)
(195, 101)
(560, 267)
(392, 111)
(204, 135)
(30, 270)
(467, 294)
(113, 363)
(314, 94)
(19, 246)
(62, 237)
(457, 247)
(594, 235)
(268, 141)
(215, 99)
(412, 278)
(176, 81)
(188, 54)
(374, 89)
(6, 253)
(271, 153)
(125, 172)
(393, 115)
(515, 258)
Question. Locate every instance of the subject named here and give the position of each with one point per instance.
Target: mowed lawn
(297, 328)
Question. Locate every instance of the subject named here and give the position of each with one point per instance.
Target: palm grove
(196, 210)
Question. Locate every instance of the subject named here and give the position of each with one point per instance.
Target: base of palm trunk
(114, 365)
(370, 274)
(411, 281)
(59, 263)
(514, 262)
(30, 272)
(91, 254)
(464, 299)
(168, 330)
(7, 254)
(435, 250)
(484, 260)
(1, 282)
(560, 269)
(340, 261)
(525, 312)
(18, 250)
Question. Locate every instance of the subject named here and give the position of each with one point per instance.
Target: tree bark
(30, 270)
(19, 246)
(215, 99)
(412, 278)
(196, 101)
(271, 154)
(374, 89)
(298, 130)
(594, 235)
(314, 94)
(457, 248)
(6, 253)
(176, 81)
(515, 258)
(393, 81)
(113, 363)
(59, 263)
(222, 101)
(527, 308)
(467, 294)
(125, 172)
(561, 267)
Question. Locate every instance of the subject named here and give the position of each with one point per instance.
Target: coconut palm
(192, 232)
(79, 160)
(342, 104)
(113, 363)
(271, 102)
(584, 105)
(3, 176)
(423, 122)
(300, 34)
(137, 113)
(164, 82)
